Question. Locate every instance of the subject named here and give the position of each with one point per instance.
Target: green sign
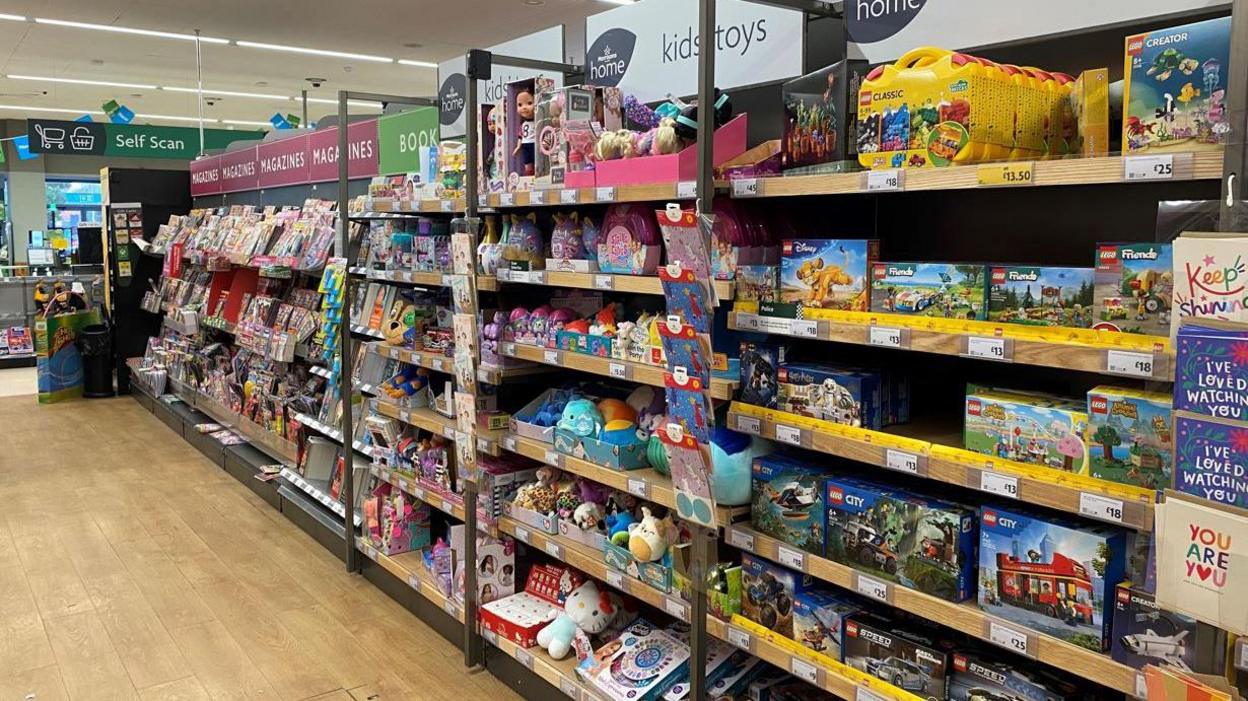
(402, 137)
(127, 140)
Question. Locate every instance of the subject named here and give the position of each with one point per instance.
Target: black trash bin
(95, 343)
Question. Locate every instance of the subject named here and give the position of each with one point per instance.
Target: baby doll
(524, 132)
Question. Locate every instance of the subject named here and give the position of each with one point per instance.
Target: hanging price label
(901, 461)
(448, 205)
(507, 199)
(749, 424)
(1004, 174)
(883, 180)
(1009, 638)
(788, 434)
(804, 670)
(618, 370)
(804, 329)
(745, 187)
(604, 282)
(999, 484)
(740, 539)
(986, 348)
(639, 488)
(1097, 506)
(1130, 364)
(884, 337)
(1148, 167)
(604, 194)
(740, 638)
(872, 588)
(550, 357)
(793, 559)
(686, 190)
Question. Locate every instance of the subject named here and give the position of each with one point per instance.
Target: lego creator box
(1146, 634)
(1174, 89)
(768, 593)
(946, 290)
(1037, 429)
(1134, 286)
(975, 676)
(1051, 576)
(827, 273)
(1129, 436)
(921, 543)
(819, 116)
(818, 621)
(786, 501)
(842, 396)
(1040, 296)
(903, 658)
(759, 365)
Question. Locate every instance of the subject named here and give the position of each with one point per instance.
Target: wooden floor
(133, 568)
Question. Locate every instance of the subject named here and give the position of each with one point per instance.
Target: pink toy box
(670, 168)
(520, 616)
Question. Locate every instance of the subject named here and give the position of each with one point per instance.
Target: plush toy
(612, 409)
(517, 328)
(558, 322)
(581, 417)
(603, 323)
(539, 496)
(618, 526)
(620, 432)
(567, 238)
(593, 492)
(409, 380)
(732, 455)
(399, 324)
(588, 516)
(665, 139)
(587, 609)
(524, 242)
(645, 538)
(567, 501)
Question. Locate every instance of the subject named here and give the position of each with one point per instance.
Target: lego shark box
(1144, 634)
(921, 543)
(1049, 575)
(786, 501)
(1134, 287)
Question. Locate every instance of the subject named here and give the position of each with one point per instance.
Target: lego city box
(1032, 427)
(901, 656)
(925, 544)
(841, 395)
(1134, 286)
(1145, 633)
(769, 592)
(1129, 436)
(979, 676)
(787, 501)
(827, 273)
(1041, 296)
(945, 290)
(1050, 575)
(819, 621)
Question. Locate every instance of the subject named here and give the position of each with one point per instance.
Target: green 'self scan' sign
(403, 136)
(126, 140)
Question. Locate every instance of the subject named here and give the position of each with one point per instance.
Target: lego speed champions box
(979, 677)
(903, 657)
(947, 290)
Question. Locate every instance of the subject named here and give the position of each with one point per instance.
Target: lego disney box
(827, 273)
(1050, 575)
(947, 290)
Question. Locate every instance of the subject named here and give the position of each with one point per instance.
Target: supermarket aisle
(18, 381)
(131, 567)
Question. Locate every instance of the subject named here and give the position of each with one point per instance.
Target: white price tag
(522, 534)
(570, 196)
(1097, 506)
(804, 670)
(414, 582)
(745, 187)
(901, 461)
(483, 200)
(509, 348)
(740, 638)
(1008, 638)
(788, 434)
(604, 282)
(749, 424)
(448, 205)
(405, 416)
(448, 432)
(448, 507)
(793, 559)
(552, 457)
(618, 371)
(509, 443)
(741, 539)
(507, 199)
(639, 488)
(1148, 167)
(615, 579)
(872, 588)
(999, 484)
(554, 549)
(686, 190)
(403, 485)
(676, 608)
(1129, 363)
(1141, 686)
(885, 337)
(1242, 645)
(550, 357)
(986, 348)
(862, 693)
(503, 275)
(883, 180)
(524, 657)
(604, 194)
(568, 687)
(804, 329)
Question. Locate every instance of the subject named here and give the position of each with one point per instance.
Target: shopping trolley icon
(51, 137)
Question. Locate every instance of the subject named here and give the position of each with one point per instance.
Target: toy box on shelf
(1174, 92)
(537, 419)
(762, 161)
(730, 141)
(1134, 288)
(562, 113)
(520, 616)
(1089, 103)
(925, 544)
(631, 456)
(768, 592)
(641, 664)
(760, 364)
(520, 130)
(1145, 634)
(719, 656)
(975, 676)
(491, 145)
(840, 395)
(498, 479)
(657, 574)
(820, 118)
(827, 273)
(1050, 575)
(595, 538)
(396, 523)
(787, 501)
(1034, 428)
(1129, 436)
(630, 243)
(901, 655)
(1039, 296)
(496, 565)
(819, 621)
(544, 522)
(947, 290)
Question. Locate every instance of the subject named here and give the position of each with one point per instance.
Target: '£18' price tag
(788, 434)
(1129, 363)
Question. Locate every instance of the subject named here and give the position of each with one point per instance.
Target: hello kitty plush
(585, 608)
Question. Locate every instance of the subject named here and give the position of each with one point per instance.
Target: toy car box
(1144, 634)
(1129, 436)
(1041, 296)
(520, 616)
(975, 676)
(1134, 287)
(786, 501)
(946, 290)
(1035, 428)
(768, 593)
(840, 395)
(921, 543)
(760, 363)
(646, 662)
(819, 621)
(827, 273)
(900, 656)
(820, 117)
(1050, 575)
(1174, 88)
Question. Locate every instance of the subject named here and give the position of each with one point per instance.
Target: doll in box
(525, 132)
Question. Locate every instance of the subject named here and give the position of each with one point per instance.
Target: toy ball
(619, 432)
(616, 409)
(581, 417)
(732, 455)
(656, 455)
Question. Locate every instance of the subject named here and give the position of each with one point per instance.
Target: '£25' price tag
(1008, 638)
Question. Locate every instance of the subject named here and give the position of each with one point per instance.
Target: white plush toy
(585, 608)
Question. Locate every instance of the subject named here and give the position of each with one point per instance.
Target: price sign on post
(750, 425)
(793, 559)
(740, 539)
(686, 190)
(1137, 168)
(872, 588)
(604, 194)
(740, 638)
(804, 670)
(901, 461)
(788, 434)
(605, 283)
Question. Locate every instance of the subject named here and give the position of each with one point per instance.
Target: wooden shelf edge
(418, 579)
(607, 367)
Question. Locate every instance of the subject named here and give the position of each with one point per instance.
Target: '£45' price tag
(745, 187)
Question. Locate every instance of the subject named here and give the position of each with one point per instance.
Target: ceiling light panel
(245, 123)
(55, 110)
(12, 18)
(353, 103)
(129, 30)
(227, 93)
(81, 81)
(420, 64)
(313, 52)
(174, 118)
